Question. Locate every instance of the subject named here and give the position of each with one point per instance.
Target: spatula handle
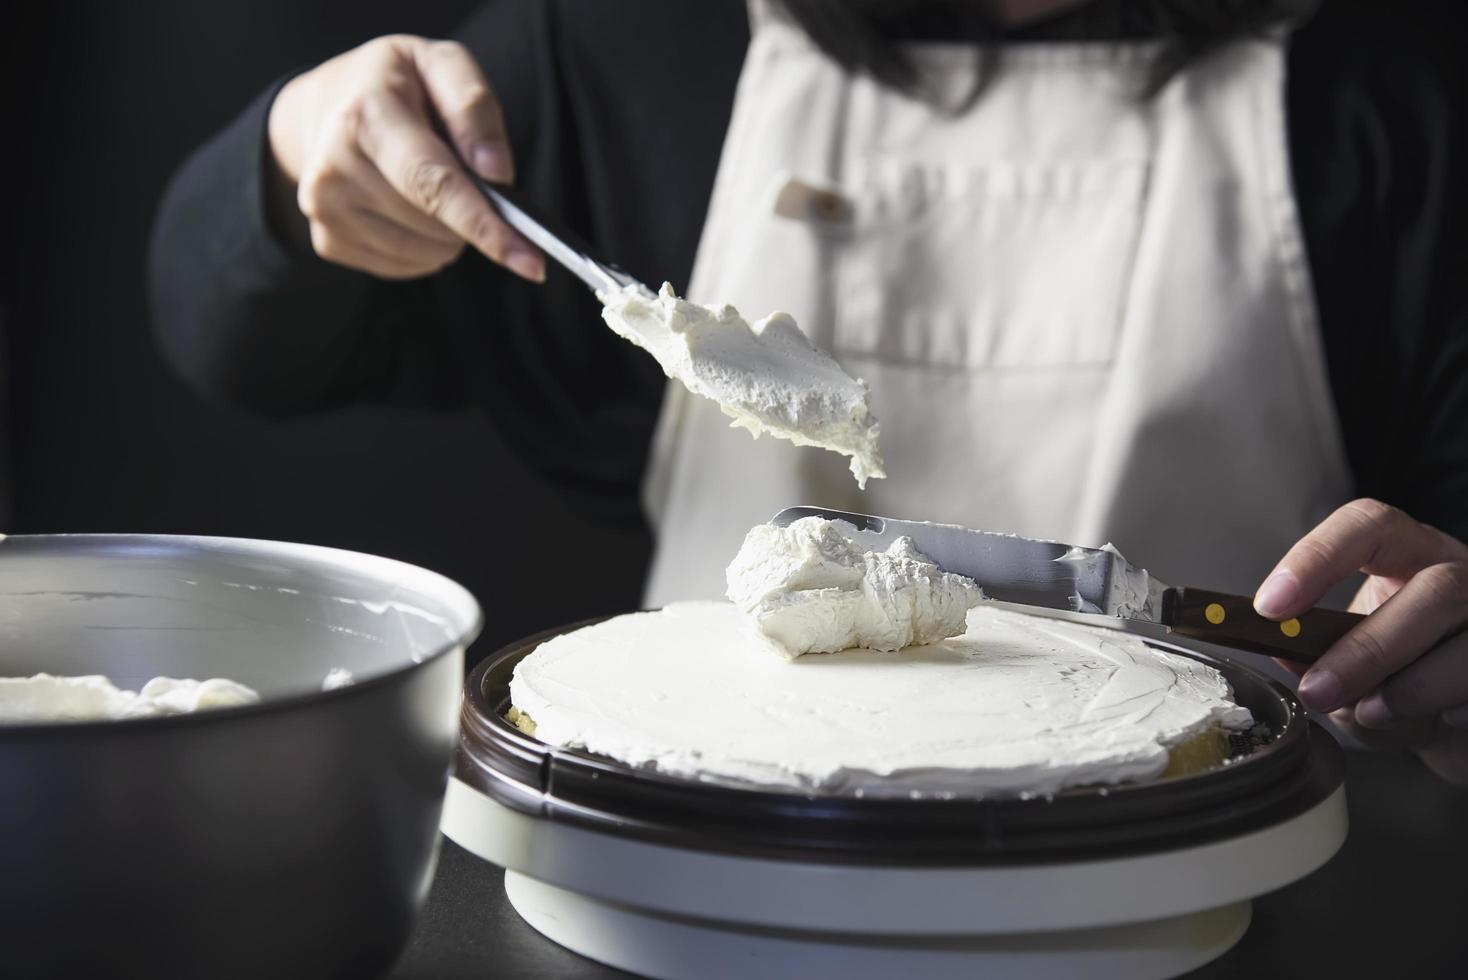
(1230, 621)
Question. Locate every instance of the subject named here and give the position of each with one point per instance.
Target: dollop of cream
(767, 377)
(1134, 593)
(46, 697)
(337, 677)
(812, 587)
(1018, 705)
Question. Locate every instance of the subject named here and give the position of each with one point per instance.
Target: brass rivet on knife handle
(1230, 620)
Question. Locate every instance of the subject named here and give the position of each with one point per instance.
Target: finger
(343, 182)
(425, 172)
(336, 193)
(1433, 684)
(345, 251)
(1364, 535)
(466, 104)
(389, 238)
(1409, 734)
(1433, 604)
(379, 197)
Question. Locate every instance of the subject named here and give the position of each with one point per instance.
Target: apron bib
(1084, 315)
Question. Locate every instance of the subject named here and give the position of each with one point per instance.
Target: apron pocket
(1007, 265)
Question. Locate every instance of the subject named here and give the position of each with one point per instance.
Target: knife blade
(1096, 581)
(1010, 568)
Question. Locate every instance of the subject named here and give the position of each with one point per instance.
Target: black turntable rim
(1298, 767)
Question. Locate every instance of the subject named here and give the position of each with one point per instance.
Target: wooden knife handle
(1230, 621)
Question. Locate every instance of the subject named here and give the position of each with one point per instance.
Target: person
(1180, 275)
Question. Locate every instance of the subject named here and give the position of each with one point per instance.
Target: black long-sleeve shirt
(1377, 131)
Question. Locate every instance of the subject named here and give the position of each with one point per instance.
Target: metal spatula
(1052, 575)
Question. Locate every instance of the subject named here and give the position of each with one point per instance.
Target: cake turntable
(675, 878)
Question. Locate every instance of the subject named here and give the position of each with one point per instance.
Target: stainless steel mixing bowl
(295, 837)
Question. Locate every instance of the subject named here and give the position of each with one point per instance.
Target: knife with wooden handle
(1100, 581)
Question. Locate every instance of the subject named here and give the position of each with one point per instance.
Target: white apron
(1084, 315)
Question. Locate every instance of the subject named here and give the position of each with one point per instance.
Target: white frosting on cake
(810, 587)
(767, 377)
(1018, 705)
(45, 697)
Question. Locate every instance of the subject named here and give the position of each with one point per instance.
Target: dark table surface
(1392, 903)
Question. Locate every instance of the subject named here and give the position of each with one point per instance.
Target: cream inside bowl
(277, 618)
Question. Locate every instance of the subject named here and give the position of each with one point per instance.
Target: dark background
(102, 102)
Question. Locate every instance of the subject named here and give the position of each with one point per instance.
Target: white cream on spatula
(767, 377)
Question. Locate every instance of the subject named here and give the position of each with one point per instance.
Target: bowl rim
(468, 621)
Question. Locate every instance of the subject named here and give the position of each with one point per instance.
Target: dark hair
(867, 35)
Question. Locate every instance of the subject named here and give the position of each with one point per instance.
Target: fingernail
(1277, 595)
(492, 161)
(1373, 712)
(525, 263)
(1457, 717)
(1320, 690)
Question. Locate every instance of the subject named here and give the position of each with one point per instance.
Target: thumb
(467, 106)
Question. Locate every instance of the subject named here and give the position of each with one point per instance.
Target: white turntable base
(671, 948)
(674, 913)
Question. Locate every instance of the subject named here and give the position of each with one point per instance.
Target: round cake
(1016, 705)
